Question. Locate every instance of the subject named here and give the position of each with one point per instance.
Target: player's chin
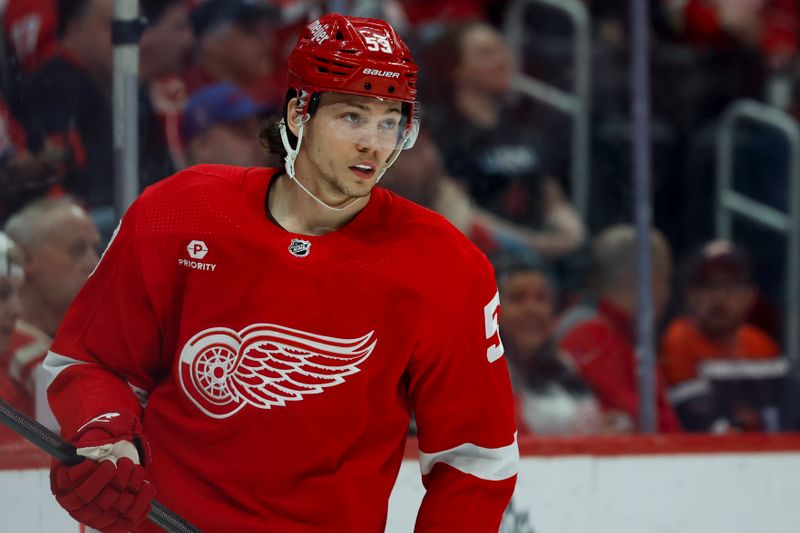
(361, 187)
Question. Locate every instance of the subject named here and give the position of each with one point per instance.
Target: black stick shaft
(38, 435)
(65, 452)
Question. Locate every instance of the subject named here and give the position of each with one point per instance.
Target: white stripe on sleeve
(491, 464)
(56, 363)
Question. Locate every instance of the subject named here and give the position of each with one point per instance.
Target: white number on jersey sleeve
(494, 351)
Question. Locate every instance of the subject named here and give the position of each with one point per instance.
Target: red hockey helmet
(352, 55)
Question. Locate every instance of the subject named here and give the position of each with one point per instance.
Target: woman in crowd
(494, 143)
(552, 398)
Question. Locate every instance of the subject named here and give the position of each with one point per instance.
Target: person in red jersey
(254, 341)
(601, 338)
(31, 29)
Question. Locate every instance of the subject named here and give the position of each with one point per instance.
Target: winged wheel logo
(264, 366)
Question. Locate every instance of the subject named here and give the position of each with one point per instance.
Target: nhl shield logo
(299, 247)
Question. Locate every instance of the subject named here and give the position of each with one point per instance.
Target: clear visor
(377, 127)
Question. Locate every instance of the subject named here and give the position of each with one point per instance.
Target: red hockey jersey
(278, 371)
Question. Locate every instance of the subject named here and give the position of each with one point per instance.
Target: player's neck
(297, 212)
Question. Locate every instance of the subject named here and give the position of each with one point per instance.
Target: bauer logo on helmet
(381, 73)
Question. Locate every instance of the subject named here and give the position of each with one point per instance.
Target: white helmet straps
(291, 156)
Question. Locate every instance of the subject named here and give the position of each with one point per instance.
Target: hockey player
(254, 340)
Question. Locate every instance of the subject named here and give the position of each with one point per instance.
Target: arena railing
(574, 103)
(732, 203)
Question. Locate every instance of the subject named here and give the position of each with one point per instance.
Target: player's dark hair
(270, 136)
(270, 132)
(69, 10)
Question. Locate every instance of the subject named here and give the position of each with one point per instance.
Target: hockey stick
(65, 452)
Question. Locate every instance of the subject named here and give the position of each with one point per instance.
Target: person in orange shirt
(723, 373)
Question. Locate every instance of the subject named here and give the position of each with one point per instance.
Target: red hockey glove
(107, 492)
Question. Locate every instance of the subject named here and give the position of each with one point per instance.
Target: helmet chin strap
(389, 162)
(291, 155)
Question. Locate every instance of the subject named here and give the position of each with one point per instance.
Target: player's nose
(367, 144)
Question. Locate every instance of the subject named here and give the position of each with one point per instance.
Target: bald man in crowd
(601, 338)
(59, 243)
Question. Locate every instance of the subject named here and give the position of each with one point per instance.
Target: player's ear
(291, 113)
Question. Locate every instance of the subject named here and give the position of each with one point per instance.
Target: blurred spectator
(166, 50)
(601, 338)
(493, 146)
(422, 178)
(220, 124)
(420, 12)
(552, 398)
(768, 25)
(723, 372)
(67, 100)
(59, 245)
(236, 44)
(11, 274)
(427, 19)
(724, 36)
(167, 42)
(30, 28)
(23, 175)
(419, 176)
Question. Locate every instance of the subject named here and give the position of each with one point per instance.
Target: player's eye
(352, 118)
(388, 124)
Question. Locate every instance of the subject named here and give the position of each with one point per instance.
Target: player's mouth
(364, 169)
